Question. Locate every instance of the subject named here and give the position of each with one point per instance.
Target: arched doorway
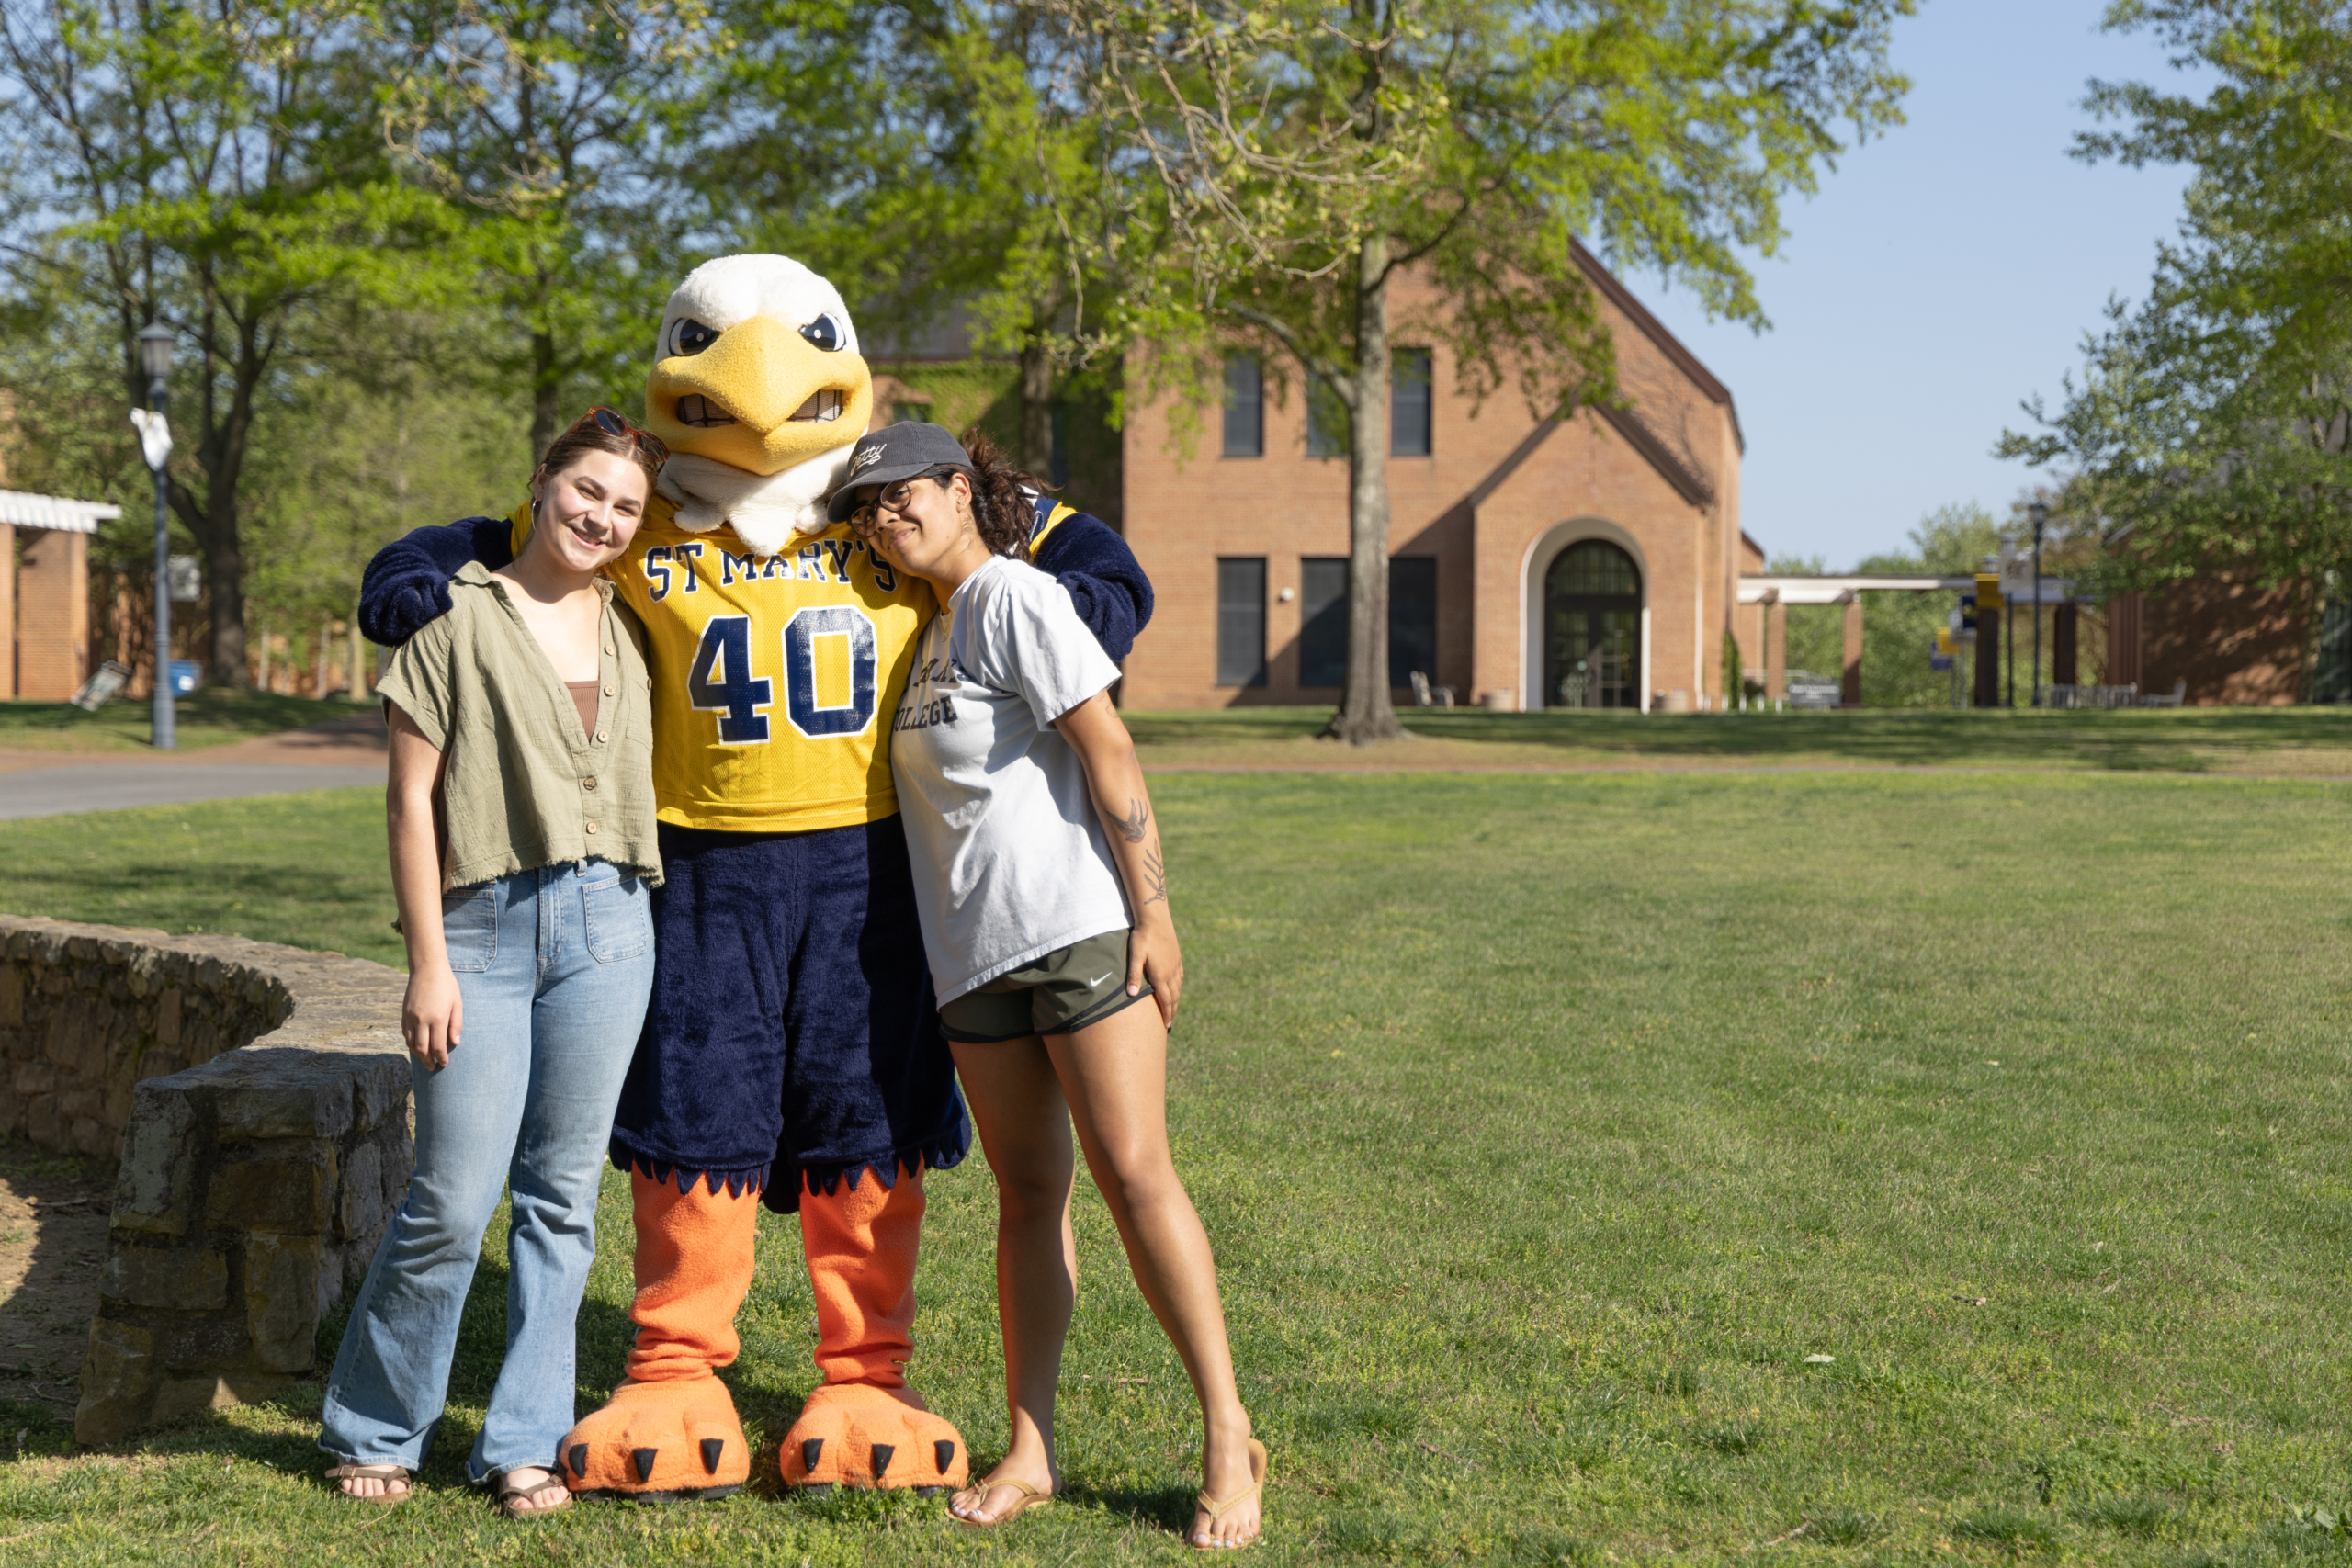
(1592, 628)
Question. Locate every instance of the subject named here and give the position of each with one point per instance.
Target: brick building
(1590, 561)
(45, 593)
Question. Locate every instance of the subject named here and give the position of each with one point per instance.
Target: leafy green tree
(2208, 431)
(549, 126)
(216, 168)
(1275, 165)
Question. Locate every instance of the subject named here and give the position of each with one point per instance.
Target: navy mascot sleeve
(1105, 579)
(407, 584)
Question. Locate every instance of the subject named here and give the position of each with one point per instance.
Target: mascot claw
(657, 1442)
(856, 1435)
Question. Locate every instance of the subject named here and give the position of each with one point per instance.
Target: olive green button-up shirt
(522, 785)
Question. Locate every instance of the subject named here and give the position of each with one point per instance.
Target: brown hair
(587, 435)
(999, 505)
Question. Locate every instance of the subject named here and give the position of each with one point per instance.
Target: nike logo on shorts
(1099, 978)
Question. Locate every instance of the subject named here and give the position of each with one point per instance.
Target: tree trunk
(1365, 712)
(224, 554)
(1037, 403)
(545, 391)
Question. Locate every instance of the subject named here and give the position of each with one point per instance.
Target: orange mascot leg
(864, 1427)
(670, 1427)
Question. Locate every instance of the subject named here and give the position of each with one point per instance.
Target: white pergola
(1776, 592)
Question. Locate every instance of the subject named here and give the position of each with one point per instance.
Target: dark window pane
(1241, 621)
(1327, 422)
(1245, 407)
(1594, 567)
(1412, 618)
(1409, 403)
(1323, 621)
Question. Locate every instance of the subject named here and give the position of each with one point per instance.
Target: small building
(45, 593)
(1591, 561)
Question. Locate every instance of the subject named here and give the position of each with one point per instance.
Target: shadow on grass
(2183, 739)
(53, 1212)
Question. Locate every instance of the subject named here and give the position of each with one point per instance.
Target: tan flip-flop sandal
(1216, 1508)
(1031, 1498)
(386, 1474)
(514, 1494)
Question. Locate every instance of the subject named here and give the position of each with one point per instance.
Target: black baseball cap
(899, 452)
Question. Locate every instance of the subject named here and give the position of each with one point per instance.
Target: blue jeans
(554, 966)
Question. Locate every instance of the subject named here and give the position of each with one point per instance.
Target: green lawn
(211, 715)
(1552, 1131)
(2306, 742)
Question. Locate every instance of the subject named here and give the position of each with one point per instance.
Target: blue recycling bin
(187, 676)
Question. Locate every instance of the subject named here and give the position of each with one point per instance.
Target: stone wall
(257, 1096)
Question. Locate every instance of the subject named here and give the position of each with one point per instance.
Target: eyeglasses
(893, 498)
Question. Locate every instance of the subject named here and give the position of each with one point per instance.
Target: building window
(1592, 635)
(1409, 403)
(1245, 407)
(1412, 618)
(1057, 461)
(1323, 621)
(1326, 421)
(1241, 621)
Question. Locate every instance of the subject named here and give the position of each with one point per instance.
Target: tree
(1279, 164)
(214, 168)
(543, 122)
(2206, 433)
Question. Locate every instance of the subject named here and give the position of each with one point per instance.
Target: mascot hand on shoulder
(791, 1053)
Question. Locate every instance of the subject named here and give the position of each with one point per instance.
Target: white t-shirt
(1010, 861)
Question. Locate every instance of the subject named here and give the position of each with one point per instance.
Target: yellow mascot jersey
(773, 681)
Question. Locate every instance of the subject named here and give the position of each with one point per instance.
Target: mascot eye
(692, 337)
(826, 334)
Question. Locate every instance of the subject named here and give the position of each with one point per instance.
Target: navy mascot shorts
(793, 1035)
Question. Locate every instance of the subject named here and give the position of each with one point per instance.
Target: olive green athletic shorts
(1058, 994)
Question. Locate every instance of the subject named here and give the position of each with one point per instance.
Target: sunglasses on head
(612, 423)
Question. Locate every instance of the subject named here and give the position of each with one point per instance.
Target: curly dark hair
(999, 506)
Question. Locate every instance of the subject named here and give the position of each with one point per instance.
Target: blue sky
(1944, 272)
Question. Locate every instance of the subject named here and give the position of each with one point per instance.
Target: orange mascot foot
(865, 1426)
(854, 1435)
(670, 1429)
(656, 1442)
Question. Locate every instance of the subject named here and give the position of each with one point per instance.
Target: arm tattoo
(1135, 822)
(1155, 877)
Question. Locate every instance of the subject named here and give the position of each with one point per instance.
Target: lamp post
(156, 359)
(2040, 512)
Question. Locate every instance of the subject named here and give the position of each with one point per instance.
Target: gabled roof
(1654, 330)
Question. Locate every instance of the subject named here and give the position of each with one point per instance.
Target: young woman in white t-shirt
(1044, 901)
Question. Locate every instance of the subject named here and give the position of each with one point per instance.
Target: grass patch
(210, 716)
(2294, 741)
(1508, 1100)
(306, 869)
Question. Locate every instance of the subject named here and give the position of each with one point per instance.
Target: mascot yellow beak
(760, 398)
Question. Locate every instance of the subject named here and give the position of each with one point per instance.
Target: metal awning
(26, 511)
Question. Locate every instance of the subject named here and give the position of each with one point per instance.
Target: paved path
(342, 752)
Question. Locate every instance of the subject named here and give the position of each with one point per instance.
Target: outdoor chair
(2160, 700)
(1428, 696)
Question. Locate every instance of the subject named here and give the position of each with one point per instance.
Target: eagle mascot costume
(792, 1053)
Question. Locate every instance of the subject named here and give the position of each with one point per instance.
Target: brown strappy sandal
(1216, 1508)
(1031, 1498)
(511, 1495)
(351, 1470)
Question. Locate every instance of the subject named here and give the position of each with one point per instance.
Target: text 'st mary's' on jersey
(774, 679)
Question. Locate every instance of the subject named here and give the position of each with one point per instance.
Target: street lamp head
(2039, 512)
(156, 350)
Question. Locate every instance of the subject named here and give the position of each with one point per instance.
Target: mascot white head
(759, 391)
